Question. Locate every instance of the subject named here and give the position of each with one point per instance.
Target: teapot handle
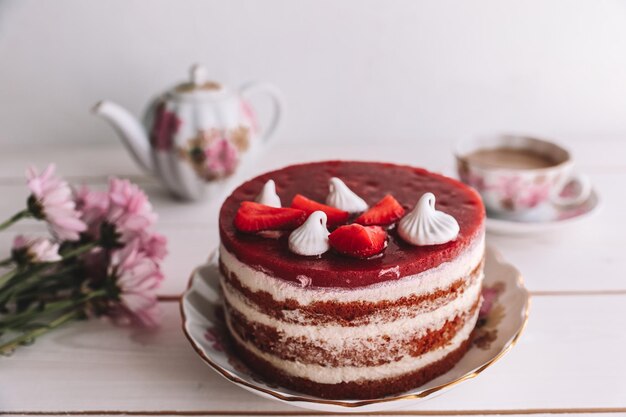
(275, 95)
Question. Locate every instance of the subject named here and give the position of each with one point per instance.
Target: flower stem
(11, 345)
(79, 250)
(35, 271)
(7, 277)
(17, 320)
(17, 216)
(57, 280)
(20, 277)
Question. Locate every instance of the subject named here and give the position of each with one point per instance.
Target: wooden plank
(566, 360)
(188, 248)
(585, 258)
(96, 161)
(588, 257)
(95, 165)
(565, 412)
(600, 153)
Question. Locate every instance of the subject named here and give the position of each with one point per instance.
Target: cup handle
(584, 190)
(275, 95)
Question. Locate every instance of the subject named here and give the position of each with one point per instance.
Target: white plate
(549, 219)
(496, 333)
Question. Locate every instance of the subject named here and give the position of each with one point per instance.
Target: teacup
(517, 176)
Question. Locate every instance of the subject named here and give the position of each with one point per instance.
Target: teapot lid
(198, 83)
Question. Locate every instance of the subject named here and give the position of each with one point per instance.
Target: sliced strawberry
(385, 212)
(255, 217)
(358, 241)
(335, 216)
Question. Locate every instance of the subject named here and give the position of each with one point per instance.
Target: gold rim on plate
(360, 403)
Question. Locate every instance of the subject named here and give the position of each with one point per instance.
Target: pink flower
(221, 157)
(510, 187)
(137, 277)
(129, 209)
(248, 113)
(154, 245)
(37, 250)
(475, 180)
(94, 206)
(165, 126)
(213, 336)
(51, 199)
(489, 297)
(535, 195)
(96, 263)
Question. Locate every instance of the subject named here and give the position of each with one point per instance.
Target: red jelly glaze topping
(372, 181)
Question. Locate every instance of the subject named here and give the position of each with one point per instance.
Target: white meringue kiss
(268, 195)
(310, 239)
(425, 226)
(344, 198)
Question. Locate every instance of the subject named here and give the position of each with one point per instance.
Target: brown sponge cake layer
(349, 313)
(364, 389)
(340, 327)
(370, 352)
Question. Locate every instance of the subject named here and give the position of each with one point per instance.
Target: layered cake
(351, 279)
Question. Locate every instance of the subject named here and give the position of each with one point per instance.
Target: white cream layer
(426, 282)
(335, 375)
(336, 336)
(392, 313)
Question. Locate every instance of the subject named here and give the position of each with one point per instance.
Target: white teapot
(194, 133)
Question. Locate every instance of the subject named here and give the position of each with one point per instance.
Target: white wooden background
(570, 360)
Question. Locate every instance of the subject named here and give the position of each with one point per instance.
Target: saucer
(546, 219)
(506, 302)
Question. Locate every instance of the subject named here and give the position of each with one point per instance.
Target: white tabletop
(571, 358)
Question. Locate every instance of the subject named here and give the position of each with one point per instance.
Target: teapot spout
(129, 129)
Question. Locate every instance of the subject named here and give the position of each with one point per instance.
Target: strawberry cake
(351, 280)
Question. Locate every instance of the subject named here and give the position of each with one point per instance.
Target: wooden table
(571, 359)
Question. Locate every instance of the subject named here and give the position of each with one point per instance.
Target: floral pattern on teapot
(195, 133)
(212, 153)
(165, 126)
(215, 154)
